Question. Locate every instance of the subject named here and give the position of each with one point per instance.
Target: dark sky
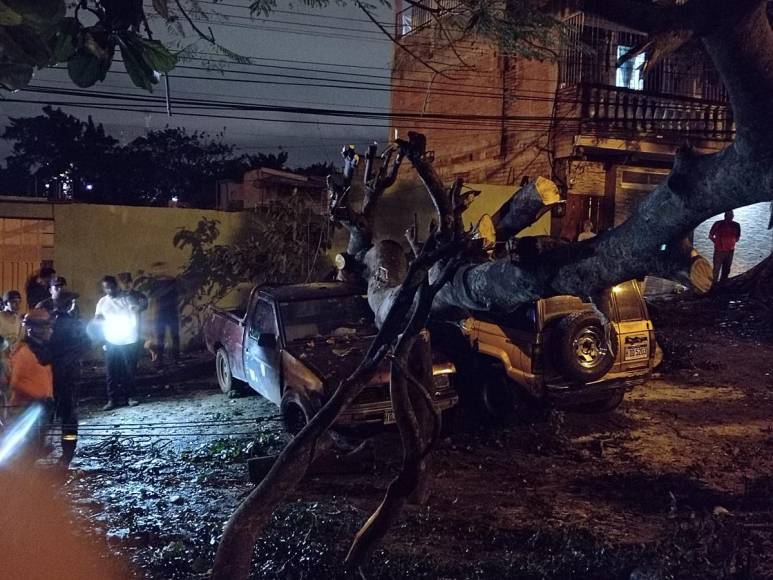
(305, 49)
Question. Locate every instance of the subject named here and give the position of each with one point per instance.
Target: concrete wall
(94, 240)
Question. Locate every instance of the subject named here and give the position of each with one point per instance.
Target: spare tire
(581, 348)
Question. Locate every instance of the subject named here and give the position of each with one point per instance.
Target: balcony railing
(414, 18)
(614, 111)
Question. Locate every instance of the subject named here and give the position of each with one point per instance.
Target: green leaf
(139, 71)
(39, 12)
(157, 56)
(25, 39)
(85, 69)
(9, 17)
(64, 42)
(15, 76)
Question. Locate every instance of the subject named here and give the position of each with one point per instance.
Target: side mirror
(267, 340)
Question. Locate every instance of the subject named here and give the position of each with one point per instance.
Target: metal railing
(414, 18)
(619, 111)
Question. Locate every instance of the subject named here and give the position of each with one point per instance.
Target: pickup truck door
(262, 361)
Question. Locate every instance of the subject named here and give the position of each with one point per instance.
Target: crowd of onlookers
(41, 349)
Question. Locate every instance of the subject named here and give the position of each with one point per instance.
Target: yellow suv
(557, 351)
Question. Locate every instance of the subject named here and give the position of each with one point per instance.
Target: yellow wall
(491, 198)
(95, 240)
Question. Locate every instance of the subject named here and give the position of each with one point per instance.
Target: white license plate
(636, 351)
(389, 417)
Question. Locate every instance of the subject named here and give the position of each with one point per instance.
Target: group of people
(40, 351)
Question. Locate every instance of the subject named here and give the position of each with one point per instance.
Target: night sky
(297, 54)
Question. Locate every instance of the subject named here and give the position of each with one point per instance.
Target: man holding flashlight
(119, 314)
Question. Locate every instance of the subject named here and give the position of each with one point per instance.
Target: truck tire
(581, 349)
(225, 379)
(296, 410)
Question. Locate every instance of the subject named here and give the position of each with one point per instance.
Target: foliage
(283, 243)
(63, 153)
(192, 162)
(39, 33)
(518, 26)
(75, 159)
(86, 35)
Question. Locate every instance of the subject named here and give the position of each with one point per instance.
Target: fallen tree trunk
(739, 39)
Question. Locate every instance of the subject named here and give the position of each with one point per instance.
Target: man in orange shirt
(31, 378)
(725, 234)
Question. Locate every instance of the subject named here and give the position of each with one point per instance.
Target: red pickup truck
(293, 344)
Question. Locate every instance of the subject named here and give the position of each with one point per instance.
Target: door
(262, 362)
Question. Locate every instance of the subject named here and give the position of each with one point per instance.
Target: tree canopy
(69, 158)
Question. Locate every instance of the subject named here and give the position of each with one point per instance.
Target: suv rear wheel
(581, 347)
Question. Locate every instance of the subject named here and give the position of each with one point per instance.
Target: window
(263, 321)
(629, 74)
(327, 317)
(629, 304)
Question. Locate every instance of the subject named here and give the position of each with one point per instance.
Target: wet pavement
(676, 484)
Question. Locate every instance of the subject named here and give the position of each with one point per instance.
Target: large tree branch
(698, 188)
(741, 46)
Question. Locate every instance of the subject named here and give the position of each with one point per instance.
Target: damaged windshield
(340, 316)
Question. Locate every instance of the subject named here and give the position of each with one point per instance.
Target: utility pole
(168, 98)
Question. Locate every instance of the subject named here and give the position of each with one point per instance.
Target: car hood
(332, 359)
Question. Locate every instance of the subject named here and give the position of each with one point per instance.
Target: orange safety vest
(30, 380)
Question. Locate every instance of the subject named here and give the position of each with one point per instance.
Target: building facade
(606, 133)
(263, 186)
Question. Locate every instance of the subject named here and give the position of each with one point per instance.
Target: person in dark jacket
(37, 286)
(60, 299)
(166, 300)
(68, 345)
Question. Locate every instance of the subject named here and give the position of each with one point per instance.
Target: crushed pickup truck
(293, 345)
(557, 351)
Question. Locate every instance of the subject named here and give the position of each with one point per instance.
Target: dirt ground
(676, 483)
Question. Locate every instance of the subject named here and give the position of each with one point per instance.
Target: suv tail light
(536, 358)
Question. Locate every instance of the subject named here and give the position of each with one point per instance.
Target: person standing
(31, 377)
(587, 231)
(60, 299)
(10, 334)
(118, 313)
(10, 318)
(166, 300)
(725, 234)
(68, 344)
(126, 285)
(37, 286)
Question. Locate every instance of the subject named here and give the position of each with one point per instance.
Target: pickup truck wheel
(296, 411)
(582, 350)
(225, 379)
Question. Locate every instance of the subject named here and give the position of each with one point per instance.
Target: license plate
(389, 417)
(636, 351)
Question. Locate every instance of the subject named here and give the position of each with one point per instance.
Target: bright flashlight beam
(15, 435)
